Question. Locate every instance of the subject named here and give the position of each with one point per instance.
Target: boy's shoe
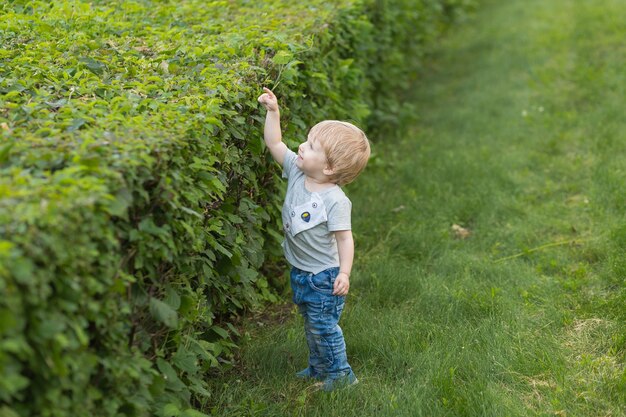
(307, 373)
(330, 384)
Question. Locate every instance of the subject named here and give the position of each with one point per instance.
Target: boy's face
(312, 158)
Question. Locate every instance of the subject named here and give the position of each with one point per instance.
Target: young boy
(318, 239)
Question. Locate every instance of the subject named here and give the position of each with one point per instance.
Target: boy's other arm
(345, 246)
(271, 131)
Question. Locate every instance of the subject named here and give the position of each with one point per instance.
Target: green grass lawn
(516, 131)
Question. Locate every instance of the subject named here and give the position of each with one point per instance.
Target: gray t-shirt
(310, 220)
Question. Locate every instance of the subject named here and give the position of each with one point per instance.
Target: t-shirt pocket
(308, 215)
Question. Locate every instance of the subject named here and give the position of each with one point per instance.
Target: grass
(516, 132)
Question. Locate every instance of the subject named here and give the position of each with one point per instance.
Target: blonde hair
(346, 147)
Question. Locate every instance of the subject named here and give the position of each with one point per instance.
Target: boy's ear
(328, 171)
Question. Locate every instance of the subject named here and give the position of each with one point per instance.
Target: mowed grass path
(516, 132)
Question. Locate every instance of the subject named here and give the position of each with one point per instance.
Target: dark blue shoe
(331, 384)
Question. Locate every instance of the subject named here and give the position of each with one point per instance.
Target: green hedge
(139, 210)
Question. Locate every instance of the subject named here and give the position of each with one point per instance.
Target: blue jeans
(321, 310)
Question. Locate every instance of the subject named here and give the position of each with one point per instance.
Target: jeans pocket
(324, 281)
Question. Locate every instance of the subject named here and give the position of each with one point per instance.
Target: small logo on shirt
(306, 216)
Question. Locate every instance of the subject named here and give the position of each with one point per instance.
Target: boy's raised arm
(271, 132)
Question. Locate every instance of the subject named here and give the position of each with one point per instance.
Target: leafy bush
(137, 204)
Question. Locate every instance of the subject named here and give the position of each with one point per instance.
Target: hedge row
(138, 207)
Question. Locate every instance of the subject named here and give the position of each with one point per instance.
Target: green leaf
(171, 410)
(222, 249)
(185, 361)
(192, 212)
(118, 206)
(7, 412)
(163, 313)
(93, 65)
(147, 225)
(23, 271)
(157, 387)
(14, 383)
(172, 380)
(77, 124)
(282, 57)
(233, 329)
(220, 332)
(5, 151)
(197, 387)
(172, 298)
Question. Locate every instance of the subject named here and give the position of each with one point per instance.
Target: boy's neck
(317, 184)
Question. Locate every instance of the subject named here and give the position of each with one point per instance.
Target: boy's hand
(268, 99)
(342, 284)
